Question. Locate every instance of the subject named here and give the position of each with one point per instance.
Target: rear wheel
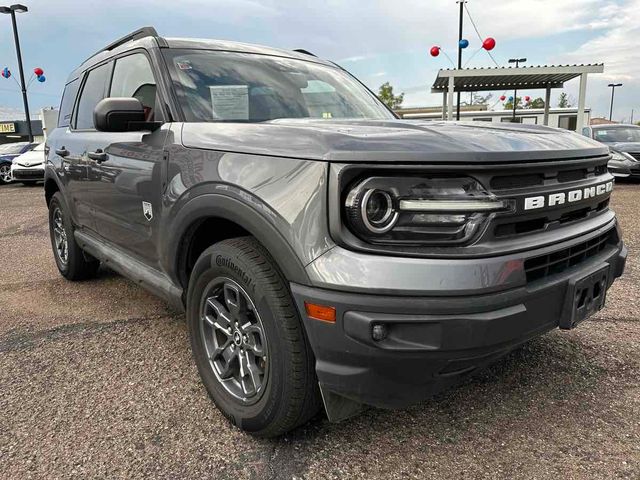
(248, 341)
(72, 262)
(5, 173)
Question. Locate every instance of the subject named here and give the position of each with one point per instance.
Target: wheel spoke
(218, 317)
(225, 362)
(254, 372)
(255, 338)
(235, 301)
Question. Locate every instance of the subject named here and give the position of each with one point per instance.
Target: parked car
(8, 152)
(323, 249)
(624, 141)
(29, 167)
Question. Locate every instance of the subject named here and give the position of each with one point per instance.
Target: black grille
(28, 174)
(558, 261)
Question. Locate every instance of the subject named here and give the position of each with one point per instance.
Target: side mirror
(120, 114)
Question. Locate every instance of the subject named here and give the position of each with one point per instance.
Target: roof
(609, 126)
(148, 38)
(508, 78)
(231, 46)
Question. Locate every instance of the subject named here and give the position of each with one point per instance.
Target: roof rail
(140, 33)
(306, 52)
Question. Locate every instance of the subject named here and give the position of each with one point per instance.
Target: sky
(377, 40)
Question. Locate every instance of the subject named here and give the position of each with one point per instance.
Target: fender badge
(147, 210)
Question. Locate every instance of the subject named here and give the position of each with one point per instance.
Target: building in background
(12, 131)
(558, 117)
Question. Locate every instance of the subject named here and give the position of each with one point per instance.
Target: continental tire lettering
(227, 263)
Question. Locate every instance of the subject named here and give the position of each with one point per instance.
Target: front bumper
(433, 341)
(20, 173)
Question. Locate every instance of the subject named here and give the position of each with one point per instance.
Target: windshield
(613, 135)
(12, 148)
(215, 86)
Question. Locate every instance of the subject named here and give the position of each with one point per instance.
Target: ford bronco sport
(323, 250)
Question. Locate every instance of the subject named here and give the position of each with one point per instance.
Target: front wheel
(248, 341)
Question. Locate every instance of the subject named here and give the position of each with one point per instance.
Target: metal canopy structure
(508, 78)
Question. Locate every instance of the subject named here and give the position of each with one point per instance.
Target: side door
(73, 142)
(68, 142)
(126, 168)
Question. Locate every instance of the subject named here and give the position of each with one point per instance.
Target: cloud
(355, 58)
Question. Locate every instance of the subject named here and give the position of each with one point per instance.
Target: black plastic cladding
(508, 181)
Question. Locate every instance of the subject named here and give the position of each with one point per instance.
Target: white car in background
(29, 167)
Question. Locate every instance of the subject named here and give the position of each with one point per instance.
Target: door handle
(99, 156)
(62, 152)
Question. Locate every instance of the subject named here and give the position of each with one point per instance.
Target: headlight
(620, 156)
(433, 210)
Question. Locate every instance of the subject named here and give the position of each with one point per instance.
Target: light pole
(613, 91)
(460, 27)
(12, 10)
(517, 61)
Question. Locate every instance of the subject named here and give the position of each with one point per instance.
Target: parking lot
(96, 380)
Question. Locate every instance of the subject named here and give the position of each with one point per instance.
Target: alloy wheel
(5, 173)
(234, 340)
(60, 237)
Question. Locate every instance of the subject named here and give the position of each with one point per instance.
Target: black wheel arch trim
(209, 205)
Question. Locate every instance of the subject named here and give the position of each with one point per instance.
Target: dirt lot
(96, 380)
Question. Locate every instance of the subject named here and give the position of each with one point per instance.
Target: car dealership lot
(96, 379)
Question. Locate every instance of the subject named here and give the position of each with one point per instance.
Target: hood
(401, 141)
(625, 146)
(29, 159)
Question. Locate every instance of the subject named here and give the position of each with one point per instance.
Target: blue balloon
(464, 43)
(511, 98)
(42, 78)
(6, 73)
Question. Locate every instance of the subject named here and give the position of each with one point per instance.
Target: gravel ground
(96, 380)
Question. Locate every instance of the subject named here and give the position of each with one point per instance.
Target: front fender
(260, 224)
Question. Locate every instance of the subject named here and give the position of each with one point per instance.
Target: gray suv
(324, 251)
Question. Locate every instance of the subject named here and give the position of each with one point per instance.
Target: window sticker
(184, 65)
(230, 102)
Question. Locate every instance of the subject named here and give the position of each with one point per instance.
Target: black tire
(78, 265)
(290, 396)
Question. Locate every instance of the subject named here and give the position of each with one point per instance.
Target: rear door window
(66, 106)
(92, 92)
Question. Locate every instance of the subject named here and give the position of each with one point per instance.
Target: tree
(509, 104)
(565, 101)
(536, 103)
(480, 100)
(385, 94)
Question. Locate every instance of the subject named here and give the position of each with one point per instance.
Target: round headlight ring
(377, 211)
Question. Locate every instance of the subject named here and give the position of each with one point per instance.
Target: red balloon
(38, 71)
(435, 51)
(502, 98)
(527, 98)
(489, 43)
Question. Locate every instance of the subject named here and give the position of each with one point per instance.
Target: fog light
(379, 332)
